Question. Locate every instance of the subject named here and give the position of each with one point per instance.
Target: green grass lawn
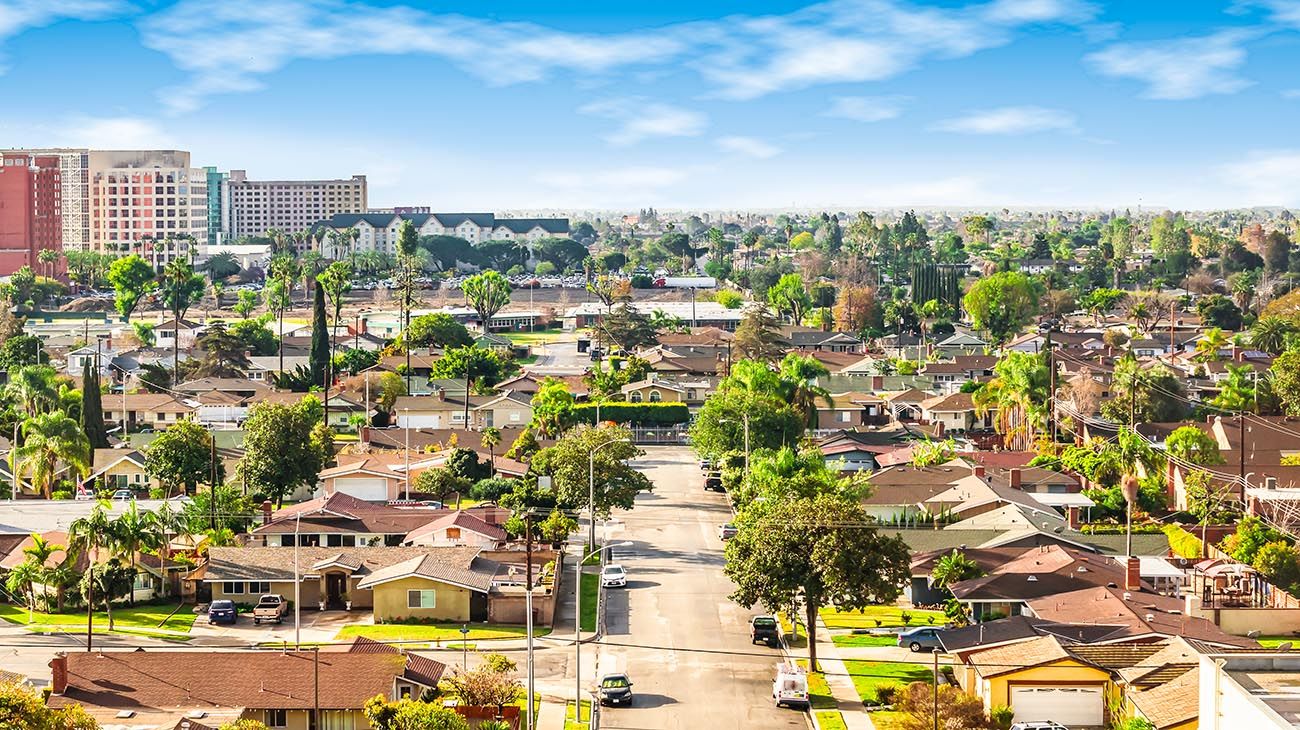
(580, 723)
(533, 338)
(886, 615)
(860, 640)
(889, 720)
(787, 631)
(867, 675)
(590, 591)
(140, 617)
(830, 720)
(819, 692)
(436, 632)
(522, 361)
(1271, 642)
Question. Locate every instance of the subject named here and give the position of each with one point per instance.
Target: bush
(642, 281)
(1001, 717)
(646, 414)
(491, 489)
(885, 693)
(1183, 543)
(61, 494)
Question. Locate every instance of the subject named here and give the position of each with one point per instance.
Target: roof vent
(1150, 617)
(1128, 596)
(196, 714)
(124, 714)
(1082, 569)
(1032, 579)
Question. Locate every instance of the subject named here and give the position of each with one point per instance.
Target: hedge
(1183, 543)
(646, 414)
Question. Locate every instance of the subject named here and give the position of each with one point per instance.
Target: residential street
(673, 630)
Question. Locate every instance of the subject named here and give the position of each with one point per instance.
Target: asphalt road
(673, 630)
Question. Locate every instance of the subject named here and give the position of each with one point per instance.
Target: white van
(790, 688)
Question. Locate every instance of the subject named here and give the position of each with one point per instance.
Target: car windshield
(615, 682)
(613, 569)
(223, 604)
(765, 622)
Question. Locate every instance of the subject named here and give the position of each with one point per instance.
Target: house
(1039, 679)
(809, 338)
(114, 469)
(152, 410)
(1134, 615)
(1253, 690)
(338, 519)
(449, 410)
(241, 387)
(905, 405)
(856, 451)
(457, 528)
(656, 388)
(370, 477)
(1035, 573)
(139, 690)
(959, 343)
(954, 412)
(433, 583)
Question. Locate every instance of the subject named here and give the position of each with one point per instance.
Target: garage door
(418, 420)
(1067, 705)
(372, 489)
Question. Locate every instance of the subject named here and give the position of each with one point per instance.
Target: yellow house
(119, 469)
(1039, 680)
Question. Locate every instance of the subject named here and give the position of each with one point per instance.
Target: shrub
(906, 617)
(1001, 717)
(648, 414)
(885, 693)
(61, 494)
(956, 708)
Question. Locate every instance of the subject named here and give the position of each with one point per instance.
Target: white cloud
(749, 147)
(865, 108)
(1010, 120)
(1265, 177)
(228, 46)
(1286, 12)
(1187, 68)
(17, 16)
(116, 133)
(640, 118)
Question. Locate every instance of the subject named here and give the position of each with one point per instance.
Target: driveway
(673, 630)
(317, 627)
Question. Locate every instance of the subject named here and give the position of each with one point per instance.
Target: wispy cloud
(17, 16)
(229, 46)
(1265, 177)
(748, 147)
(640, 118)
(1186, 68)
(865, 108)
(115, 133)
(1010, 120)
(1286, 12)
(1291, 93)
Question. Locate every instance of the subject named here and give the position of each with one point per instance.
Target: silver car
(925, 638)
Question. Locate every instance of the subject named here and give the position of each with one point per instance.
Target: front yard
(437, 633)
(880, 616)
(854, 641)
(590, 593)
(867, 676)
(144, 618)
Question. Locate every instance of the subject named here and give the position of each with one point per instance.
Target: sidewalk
(841, 686)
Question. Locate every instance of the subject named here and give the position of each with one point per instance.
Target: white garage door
(1067, 705)
(371, 489)
(416, 420)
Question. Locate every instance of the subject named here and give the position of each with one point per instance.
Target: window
(259, 587)
(231, 588)
(655, 396)
(845, 416)
(635, 397)
(421, 599)
(453, 533)
(277, 718)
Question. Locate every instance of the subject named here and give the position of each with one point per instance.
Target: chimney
(59, 673)
(1133, 574)
(365, 434)
(1072, 515)
(442, 394)
(266, 512)
(979, 470)
(1015, 479)
(362, 326)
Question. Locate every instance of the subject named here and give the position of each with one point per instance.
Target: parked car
(1040, 725)
(790, 688)
(766, 630)
(615, 689)
(123, 495)
(727, 531)
(613, 576)
(706, 465)
(713, 481)
(223, 612)
(921, 639)
(270, 607)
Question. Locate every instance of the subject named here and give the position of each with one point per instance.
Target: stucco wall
(451, 603)
(309, 593)
(1240, 621)
(301, 719)
(1065, 673)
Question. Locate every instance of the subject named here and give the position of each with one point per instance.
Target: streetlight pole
(297, 585)
(591, 487)
(577, 634)
(407, 470)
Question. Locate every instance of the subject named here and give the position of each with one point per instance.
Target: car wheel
(915, 647)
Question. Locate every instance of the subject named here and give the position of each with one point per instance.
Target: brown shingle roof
(456, 564)
(1172, 703)
(1014, 657)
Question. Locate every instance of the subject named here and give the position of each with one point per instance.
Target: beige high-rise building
(251, 207)
(74, 179)
(150, 202)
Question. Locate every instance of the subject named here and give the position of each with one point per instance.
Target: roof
(1140, 614)
(419, 668)
(1019, 656)
(461, 519)
(475, 574)
(957, 402)
(106, 458)
(171, 681)
(994, 633)
(1171, 703)
(459, 565)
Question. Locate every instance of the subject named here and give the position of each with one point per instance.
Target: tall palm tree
(89, 535)
(1207, 348)
(285, 270)
(21, 581)
(1270, 334)
(40, 552)
(1018, 393)
(798, 375)
(51, 439)
(492, 439)
(135, 531)
(34, 388)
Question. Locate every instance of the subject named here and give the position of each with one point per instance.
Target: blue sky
(846, 103)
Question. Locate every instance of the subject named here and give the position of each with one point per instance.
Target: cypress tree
(92, 408)
(320, 342)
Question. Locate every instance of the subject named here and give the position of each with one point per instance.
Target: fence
(660, 435)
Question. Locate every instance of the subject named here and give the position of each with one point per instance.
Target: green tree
(224, 354)
(1270, 334)
(245, 303)
(281, 452)
(1143, 393)
(491, 439)
(1192, 444)
(320, 341)
(790, 297)
(552, 407)
(108, 582)
(336, 281)
(181, 458)
(1018, 394)
(50, 439)
(626, 327)
(255, 336)
(439, 330)
(33, 389)
(1002, 304)
(954, 567)
(23, 708)
(797, 550)
(92, 408)
(608, 448)
(134, 531)
(1219, 311)
(231, 512)
(482, 366)
(131, 277)
(408, 714)
(487, 294)
(719, 427)
(798, 376)
(525, 445)
(758, 336)
(440, 483)
(181, 288)
(279, 292)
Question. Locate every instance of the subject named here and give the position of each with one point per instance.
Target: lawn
(1271, 642)
(590, 593)
(886, 615)
(436, 632)
(830, 720)
(819, 692)
(867, 675)
(787, 633)
(582, 722)
(140, 617)
(889, 720)
(859, 640)
(534, 338)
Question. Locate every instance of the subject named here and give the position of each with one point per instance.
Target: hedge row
(1183, 543)
(645, 414)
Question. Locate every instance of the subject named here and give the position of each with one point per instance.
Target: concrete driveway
(317, 626)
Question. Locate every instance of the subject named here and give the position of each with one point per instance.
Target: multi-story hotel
(74, 180)
(251, 207)
(378, 231)
(150, 202)
(30, 212)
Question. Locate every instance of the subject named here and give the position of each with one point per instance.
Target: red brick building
(30, 217)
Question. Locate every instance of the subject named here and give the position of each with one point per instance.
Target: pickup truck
(270, 607)
(764, 629)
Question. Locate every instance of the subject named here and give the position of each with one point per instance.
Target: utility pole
(212, 481)
(315, 702)
(935, 698)
(1241, 452)
(1171, 328)
(1051, 390)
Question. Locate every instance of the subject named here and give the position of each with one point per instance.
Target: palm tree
(1018, 393)
(49, 257)
(798, 375)
(217, 290)
(135, 531)
(285, 270)
(51, 439)
(1270, 334)
(88, 535)
(21, 581)
(34, 387)
(491, 439)
(166, 522)
(40, 552)
(954, 567)
(1207, 348)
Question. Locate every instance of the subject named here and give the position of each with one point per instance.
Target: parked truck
(270, 607)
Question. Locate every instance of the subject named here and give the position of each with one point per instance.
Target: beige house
(447, 410)
(119, 469)
(153, 410)
(457, 528)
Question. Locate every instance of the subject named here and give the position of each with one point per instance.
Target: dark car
(764, 629)
(615, 689)
(222, 612)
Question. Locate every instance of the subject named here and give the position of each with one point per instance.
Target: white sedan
(613, 576)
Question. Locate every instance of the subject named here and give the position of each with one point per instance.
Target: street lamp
(591, 486)
(577, 632)
(297, 584)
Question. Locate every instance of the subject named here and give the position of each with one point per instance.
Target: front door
(478, 606)
(336, 584)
